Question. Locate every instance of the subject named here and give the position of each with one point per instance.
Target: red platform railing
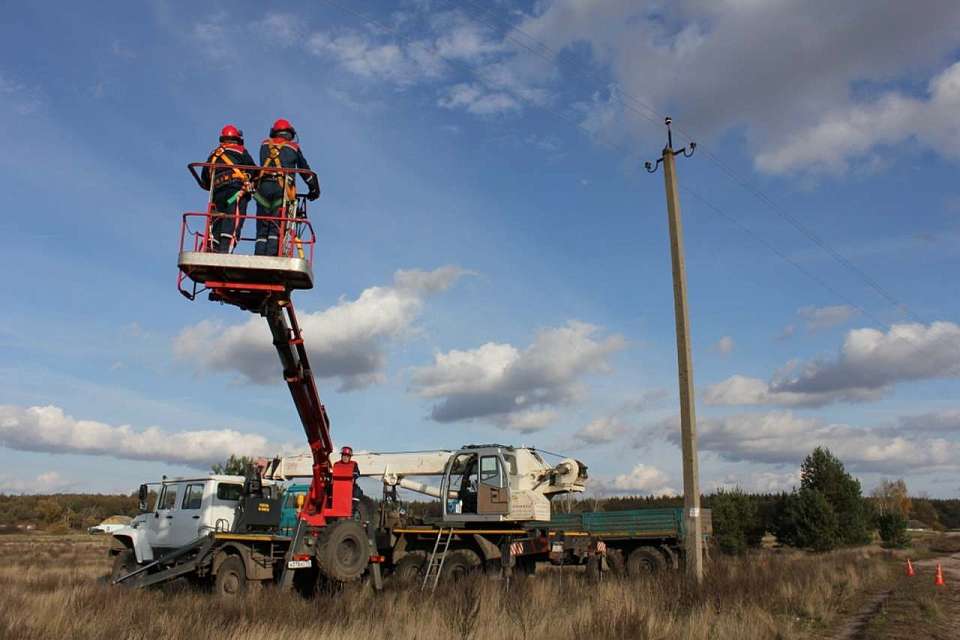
(295, 236)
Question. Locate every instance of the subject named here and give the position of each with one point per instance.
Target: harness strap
(220, 157)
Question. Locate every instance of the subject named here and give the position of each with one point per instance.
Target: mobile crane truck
(225, 530)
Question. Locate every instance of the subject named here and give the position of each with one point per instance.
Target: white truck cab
(184, 509)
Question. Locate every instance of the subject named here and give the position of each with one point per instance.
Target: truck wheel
(615, 562)
(410, 567)
(460, 563)
(343, 550)
(644, 560)
(123, 563)
(231, 578)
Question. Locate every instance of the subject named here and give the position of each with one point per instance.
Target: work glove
(313, 194)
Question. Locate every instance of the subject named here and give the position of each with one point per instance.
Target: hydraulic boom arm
(288, 341)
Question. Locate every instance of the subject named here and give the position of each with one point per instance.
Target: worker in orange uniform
(346, 457)
(231, 188)
(280, 150)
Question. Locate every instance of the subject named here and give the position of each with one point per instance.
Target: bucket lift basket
(237, 276)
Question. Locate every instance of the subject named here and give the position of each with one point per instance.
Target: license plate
(556, 548)
(298, 564)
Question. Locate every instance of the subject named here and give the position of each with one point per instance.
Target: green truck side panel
(663, 522)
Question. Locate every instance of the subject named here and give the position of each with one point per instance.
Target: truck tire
(231, 580)
(123, 563)
(615, 562)
(644, 561)
(410, 567)
(459, 563)
(343, 550)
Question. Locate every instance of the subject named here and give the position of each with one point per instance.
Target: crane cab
(238, 276)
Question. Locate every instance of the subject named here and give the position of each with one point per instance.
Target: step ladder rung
(437, 557)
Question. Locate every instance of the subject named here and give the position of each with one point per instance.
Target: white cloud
(869, 363)
(724, 345)
(819, 318)
(780, 437)
(760, 481)
(853, 131)
(281, 29)
(946, 421)
(506, 385)
(363, 56)
(602, 430)
(477, 100)
(48, 429)
(47, 482)
(799, 102)
(346, 341)
(642, 479)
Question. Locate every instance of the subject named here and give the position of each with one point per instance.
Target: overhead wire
(650, 114)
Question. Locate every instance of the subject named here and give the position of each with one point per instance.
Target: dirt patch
(914, 608)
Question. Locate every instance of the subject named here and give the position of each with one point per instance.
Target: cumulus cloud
(49, 430)
(781, 437)
(853, 131)
(698, 59)
(617, 426)
(515, 388)
(642, 479)
(869, 364)
(346, 341)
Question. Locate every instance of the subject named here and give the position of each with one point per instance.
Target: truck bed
(662, 522)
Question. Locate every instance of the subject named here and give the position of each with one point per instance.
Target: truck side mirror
(142, 496)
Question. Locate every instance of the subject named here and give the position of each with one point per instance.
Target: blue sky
(492, 260)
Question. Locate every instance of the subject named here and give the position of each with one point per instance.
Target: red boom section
(323, 499)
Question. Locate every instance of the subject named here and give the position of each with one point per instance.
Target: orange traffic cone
(938, 581)
(910, 571)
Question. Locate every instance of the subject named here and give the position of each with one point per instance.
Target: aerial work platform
(237, 276)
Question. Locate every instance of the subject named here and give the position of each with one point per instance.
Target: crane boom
(288, 341)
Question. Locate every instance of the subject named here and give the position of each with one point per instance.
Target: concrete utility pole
(688, 418)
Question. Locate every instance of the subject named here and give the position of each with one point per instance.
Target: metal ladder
(435, 565)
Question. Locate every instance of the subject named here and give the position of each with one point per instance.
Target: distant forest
(77, 511)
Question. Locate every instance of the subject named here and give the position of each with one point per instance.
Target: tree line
(826, 511)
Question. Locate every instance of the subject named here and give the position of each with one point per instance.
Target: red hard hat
(346, 451)
(282, 124)
(231, 131)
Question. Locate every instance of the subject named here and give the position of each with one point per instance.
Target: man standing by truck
(279, 151)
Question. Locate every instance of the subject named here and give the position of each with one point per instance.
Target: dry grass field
(54, 587)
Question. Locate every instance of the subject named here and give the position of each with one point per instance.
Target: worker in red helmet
(231, 188)
(279, 150)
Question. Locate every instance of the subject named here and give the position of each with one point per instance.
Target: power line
(644, 110)
(647, 112)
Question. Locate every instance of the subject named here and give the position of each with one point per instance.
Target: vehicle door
(223, 498)
(161, 525)
(459, 486)
(186, 520)
(493, 494)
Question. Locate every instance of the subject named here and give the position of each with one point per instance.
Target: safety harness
(219, 156)
(286, 181)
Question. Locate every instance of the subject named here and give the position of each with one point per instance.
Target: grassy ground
(53, 587)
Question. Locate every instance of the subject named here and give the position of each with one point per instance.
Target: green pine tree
(823, 472)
